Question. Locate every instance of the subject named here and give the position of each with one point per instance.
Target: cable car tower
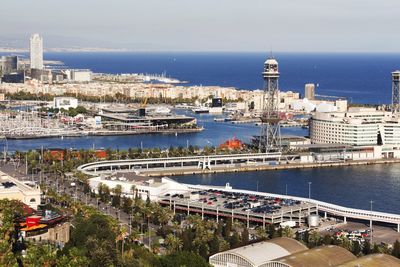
(270, 137)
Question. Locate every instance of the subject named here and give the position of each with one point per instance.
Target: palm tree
(133, 190)
(164, 216)
(314, 239)
(173, 243)
(261, 233)
(287, 232)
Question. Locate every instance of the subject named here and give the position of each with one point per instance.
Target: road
(63, 185)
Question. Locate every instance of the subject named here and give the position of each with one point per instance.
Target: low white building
(143, 186)
(65, 102)
(13, 189)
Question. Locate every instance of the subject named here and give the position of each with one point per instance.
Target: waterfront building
(124, 119)
(309, 91)
(356, 127)
(36, 51)
(11, 188)
(143, 187)
(65, 102)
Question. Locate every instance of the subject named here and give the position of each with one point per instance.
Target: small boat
(199, 110)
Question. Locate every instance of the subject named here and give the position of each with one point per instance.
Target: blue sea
(361, 78)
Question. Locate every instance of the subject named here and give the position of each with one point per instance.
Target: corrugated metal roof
(262, 252)
(324, 256)
(373, 260)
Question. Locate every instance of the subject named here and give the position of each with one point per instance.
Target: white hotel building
(356, 127)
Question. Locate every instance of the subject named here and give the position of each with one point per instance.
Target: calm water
(214, 134)
(361, 78)
(347, 186)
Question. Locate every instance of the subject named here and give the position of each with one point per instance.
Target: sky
(206, 25)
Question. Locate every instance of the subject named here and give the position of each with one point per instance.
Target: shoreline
(250, 168)
(105, 133)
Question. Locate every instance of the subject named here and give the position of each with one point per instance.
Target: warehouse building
(257, 254)
(324, 256)
(287, 252)
(373, 260)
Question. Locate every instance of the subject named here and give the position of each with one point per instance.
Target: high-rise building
(8, 64)
(36, 51)
(309, 91)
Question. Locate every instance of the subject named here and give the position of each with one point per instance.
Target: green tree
(396, 249)
(173, 243)
(287, 232)
(116, 199)
(227, 228)
(271, 231)
(366, 248)
(214, 245)
(73, 258)
(356, 248)
(376, 249)
(183, 258)
(245, 236)
(95, 236)
(314, 239)
(234, 240)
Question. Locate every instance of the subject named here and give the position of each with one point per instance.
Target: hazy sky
(204, 25)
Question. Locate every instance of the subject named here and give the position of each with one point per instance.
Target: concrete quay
(260, 167)
(103, 133)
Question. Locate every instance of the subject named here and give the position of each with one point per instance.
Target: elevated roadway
(171, 163)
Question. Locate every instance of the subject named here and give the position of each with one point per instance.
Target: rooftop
(320, 256)
(256, 253)
(373, 260)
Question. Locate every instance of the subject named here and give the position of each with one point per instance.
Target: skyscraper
(309, 91)
(36, 51)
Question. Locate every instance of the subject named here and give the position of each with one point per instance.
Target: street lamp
(370, 222)
(148, 228)
(309, 190)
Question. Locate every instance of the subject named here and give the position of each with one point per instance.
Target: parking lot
(361, 231)
(241, 204)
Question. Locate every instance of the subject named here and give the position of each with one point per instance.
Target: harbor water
(361, 78)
